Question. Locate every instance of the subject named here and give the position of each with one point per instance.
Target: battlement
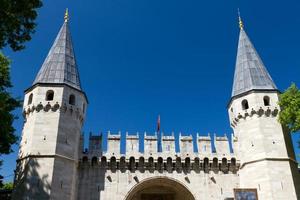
(182, 153)
(137, 145)
(193, 153)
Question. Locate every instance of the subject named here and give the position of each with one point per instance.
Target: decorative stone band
(269, 159)
(47, 156)
(159, 164)
(40, 107)
(54, 107)
(268, 112)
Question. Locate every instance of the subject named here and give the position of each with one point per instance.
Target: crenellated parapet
(174, 147)
(150, 144)
(222, 145)
(95, 145)
(204, 144)
(186, 145)
(113, 144)
(132, 144)
(168, 145)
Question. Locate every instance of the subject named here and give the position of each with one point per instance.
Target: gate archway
(159, 188)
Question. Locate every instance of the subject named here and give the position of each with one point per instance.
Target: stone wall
(267, 159)
(114, 178)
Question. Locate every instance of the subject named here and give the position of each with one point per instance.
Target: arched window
(169, 164)
(103, 162)
(131, 164)
(187, 164)
(233, 161)
(83, 108)
(196, 166)
(178, 164)
(94, 161)
(224, 165)
(160, 164)
(49, 95)
(266, 100)
(215, 164)
(224, 161)
(245, 104)
(30, 99)
(206, 165)
(150, 163)
(233, 165)
(72, 99)
(85, 159)
(122, 163)
(141, 163)
(113, 163)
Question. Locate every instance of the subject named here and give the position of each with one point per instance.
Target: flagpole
(159, 147)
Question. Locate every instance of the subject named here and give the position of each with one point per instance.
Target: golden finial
(241, 24)
(66, 15)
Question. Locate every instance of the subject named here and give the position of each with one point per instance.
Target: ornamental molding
(259, 112)
(48, 107)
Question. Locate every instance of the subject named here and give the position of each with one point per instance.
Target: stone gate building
(257, 161)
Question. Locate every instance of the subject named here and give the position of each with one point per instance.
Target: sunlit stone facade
(53, 163)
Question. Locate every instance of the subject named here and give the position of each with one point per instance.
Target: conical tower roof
(60, 64)
(250, 72)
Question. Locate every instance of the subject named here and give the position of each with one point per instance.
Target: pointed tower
(54, 111)
(265, 149)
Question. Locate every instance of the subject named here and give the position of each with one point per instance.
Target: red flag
(158, 123)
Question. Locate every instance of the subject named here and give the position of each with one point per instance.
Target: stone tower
(54, 111)
(264, 147)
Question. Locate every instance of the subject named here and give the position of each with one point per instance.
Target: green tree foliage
(7, 105)
(17, 22)
(290, 108)
(7, 186)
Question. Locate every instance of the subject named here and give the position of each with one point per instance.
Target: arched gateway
(159, 188)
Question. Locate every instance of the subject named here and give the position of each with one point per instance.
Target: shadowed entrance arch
(159, 188)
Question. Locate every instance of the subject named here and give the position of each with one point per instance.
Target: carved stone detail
(268, 112)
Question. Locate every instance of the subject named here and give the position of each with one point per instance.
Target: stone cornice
(47, 156)
(268, 159)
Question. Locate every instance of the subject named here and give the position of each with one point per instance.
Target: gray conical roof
(60, 63)
(250, 72)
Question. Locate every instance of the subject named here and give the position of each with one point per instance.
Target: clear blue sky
(138, 59)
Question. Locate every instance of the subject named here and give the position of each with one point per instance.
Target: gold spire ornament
(66, 15)
(241, 24)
